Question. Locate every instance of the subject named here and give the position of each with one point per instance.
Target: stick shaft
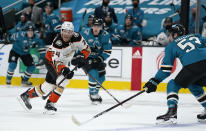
(107, 110)
(65, 77)
(102, 86)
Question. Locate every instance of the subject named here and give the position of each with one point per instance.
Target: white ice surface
(139, 117)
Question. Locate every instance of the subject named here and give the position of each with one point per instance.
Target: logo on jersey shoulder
(105, 33)
(59, 42)
(76, 34)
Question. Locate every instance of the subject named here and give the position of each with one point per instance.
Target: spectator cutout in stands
(35, 13)
(163, 36)
(127, 34)
(22, 24)
(136, 13)
(103, 9)
(51, 24)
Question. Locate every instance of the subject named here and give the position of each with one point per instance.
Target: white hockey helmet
(67, 26)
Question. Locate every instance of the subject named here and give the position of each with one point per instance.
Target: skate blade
(96, 103)
(49, 112)
(22, 103)
(202, 121)
(171, 121)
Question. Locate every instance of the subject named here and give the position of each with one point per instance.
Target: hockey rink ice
(139, 117)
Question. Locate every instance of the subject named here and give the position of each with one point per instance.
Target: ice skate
(26, 82)
(50, 108)
(24, 100)
(96, 99)
(169, 118)
(202, 117)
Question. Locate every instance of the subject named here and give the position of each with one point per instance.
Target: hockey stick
(74, 119)
(44, 97)
(2, 46)
(126, 106)
(65, 76)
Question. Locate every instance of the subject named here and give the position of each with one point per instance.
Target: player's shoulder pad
(76, 37)
(57, 42)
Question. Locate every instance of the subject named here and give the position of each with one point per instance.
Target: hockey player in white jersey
(57, 58)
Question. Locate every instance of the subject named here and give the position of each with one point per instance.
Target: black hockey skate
(202, 117)
(25, 82)
(96, 99)
(169, 118)
(25, 100)
(50, 108)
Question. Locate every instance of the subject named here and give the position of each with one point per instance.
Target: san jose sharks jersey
(100, 45)
(188, 48)
(22, 44)
(52, 23)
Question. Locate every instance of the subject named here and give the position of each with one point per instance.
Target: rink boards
(128, 68)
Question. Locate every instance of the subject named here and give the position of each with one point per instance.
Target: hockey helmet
(97, 21)
(177, 28)
(67, 26)
(168, 20)
(30, 27)
(49, 4)
(91, 16)
(129, 17)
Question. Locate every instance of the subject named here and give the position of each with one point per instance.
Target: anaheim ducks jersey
(60, 53)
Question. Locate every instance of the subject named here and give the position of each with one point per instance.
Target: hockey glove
(151, 85)
(78, 61)
(67, 73)
(96, 61)
(99, 59)
(89, 64)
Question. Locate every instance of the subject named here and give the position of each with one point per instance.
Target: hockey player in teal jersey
(191, 51)
(100, 44)
(22, 43)
(52, 24)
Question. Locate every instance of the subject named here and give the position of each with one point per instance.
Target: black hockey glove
(67, 73)
(96, 61)
(99, 59)
(78, 61)
(151, 85)
(89, 64)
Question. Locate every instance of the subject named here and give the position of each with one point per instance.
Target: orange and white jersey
(60, 53)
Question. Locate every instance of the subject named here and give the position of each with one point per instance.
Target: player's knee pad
(12, 66)
(64, 83)
(44, 89)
